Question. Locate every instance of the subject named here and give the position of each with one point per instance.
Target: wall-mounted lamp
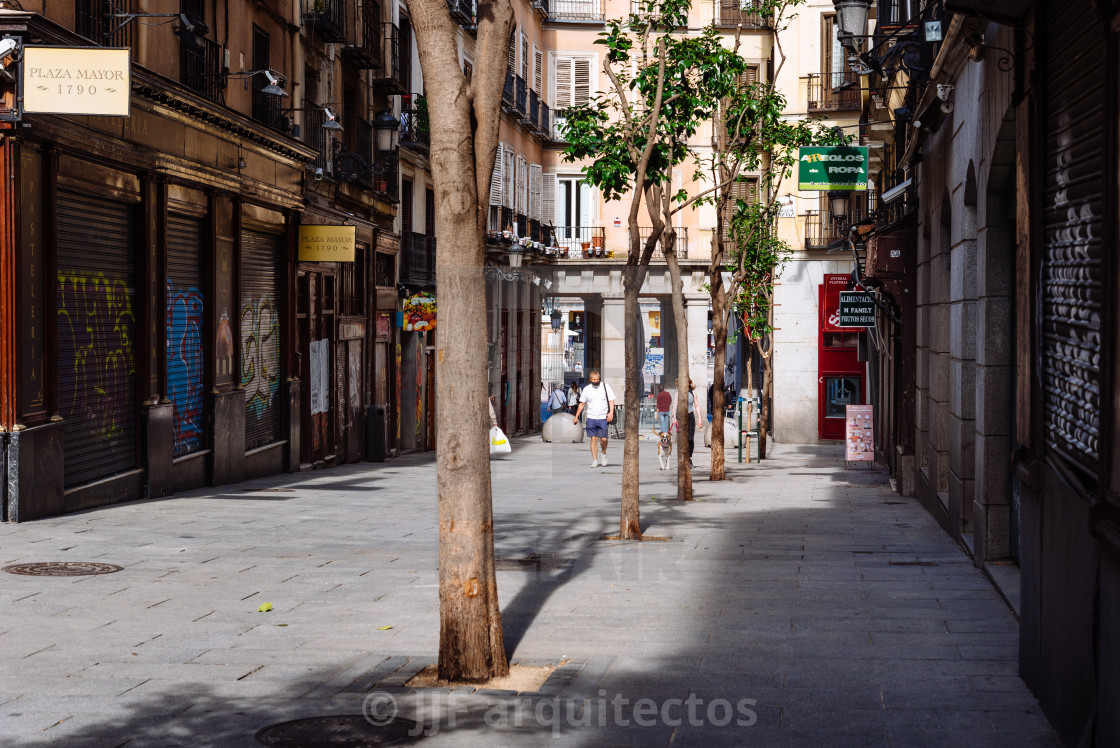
(275, 80)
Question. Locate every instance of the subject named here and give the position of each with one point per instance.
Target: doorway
(317, 330)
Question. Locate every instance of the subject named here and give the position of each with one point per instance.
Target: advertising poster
(859, 429)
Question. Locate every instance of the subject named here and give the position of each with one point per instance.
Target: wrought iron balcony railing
(418, 259)
(545, 124)
(534, 109)
(681, 243)
(326, 17)
(520, 103)
(822, 230)
(363, 46)
(575, 10)
(390, 73)
(735, 12)
(96, 21)
(581, 241)
(823, 95)
(357, 137)
(415, 132)
(508, 92)
(266, 107)
(464, 12)
(200, 68)
(316, 137)
(558, 123)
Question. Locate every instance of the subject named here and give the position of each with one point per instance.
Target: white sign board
(76, 80)
(786, 208)
(655, 362)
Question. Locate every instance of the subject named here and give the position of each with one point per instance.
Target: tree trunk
(629, 522)
(684, 471)
(464, 129)
(719, 333)
(764, 398)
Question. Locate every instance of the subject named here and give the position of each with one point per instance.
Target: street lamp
(838, 205)
(388, 129)
(515, 253)
(851, 18)
(557, 319)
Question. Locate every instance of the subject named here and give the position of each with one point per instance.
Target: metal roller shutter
(185, 351)
(1071, 269)
(260, 337)
(96, 336)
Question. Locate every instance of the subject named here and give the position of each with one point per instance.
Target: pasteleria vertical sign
(859, 427)
(76, 80)
(327, 243)
(828, 168)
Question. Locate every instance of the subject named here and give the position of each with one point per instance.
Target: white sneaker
(594, 463)
(603, 460)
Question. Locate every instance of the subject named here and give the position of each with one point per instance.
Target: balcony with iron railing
(268, 108)
(389, 74)
(357, 137)
(581, 242)
(363, 45)
(96, 21)
(681, 243)
(534, 115)
(558, 123)
(821, 229)
(418, 259)
(832, 92)
(521, 99)
(544, 126)
(575, 10)
(326, 17)
(509, 91)
(415, 130)
(736, 12)
(200, 68)
(465, 13)
(316, 137)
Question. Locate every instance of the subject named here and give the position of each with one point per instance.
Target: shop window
(840, 392)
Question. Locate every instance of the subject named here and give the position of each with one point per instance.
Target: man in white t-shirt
(599, 400)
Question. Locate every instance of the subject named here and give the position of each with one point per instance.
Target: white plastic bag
(499, 444)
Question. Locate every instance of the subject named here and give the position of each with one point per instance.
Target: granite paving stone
(839, 610)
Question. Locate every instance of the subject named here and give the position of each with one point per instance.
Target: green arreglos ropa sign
(857, 309)
(832, 168)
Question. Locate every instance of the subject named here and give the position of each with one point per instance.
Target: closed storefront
(97, 336)
(184, 320)
(260, 337)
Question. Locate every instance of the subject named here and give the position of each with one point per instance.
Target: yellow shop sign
(327, 243)
(76, 80)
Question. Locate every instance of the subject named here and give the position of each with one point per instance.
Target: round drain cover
(344, 731)
(62, 569)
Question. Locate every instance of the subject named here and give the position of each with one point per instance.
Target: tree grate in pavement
(268, 490)
(533, 562)
(342, 731)
(62, 569)
(574, 678)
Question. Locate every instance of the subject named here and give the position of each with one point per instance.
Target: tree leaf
(264, 607)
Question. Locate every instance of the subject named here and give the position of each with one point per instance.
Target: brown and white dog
(664, 447)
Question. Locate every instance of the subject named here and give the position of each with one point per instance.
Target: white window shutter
(522, 183)
(496, 177)
(562, 82)
(581, 87)
(524, 57)
(548, 198)
(510, 193)
(513, 50)
(535, 192)
(538, 70)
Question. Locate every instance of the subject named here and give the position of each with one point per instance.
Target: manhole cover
(344, 731)
(62, 569)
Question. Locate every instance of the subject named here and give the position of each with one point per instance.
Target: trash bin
(375, 433)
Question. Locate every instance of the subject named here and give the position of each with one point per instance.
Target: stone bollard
(560, 429)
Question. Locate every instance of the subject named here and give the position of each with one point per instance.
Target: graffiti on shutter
(185, 363)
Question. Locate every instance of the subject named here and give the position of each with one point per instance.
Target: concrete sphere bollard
(559, 428)
(730, 434)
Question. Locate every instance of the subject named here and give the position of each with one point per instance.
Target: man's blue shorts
(597, 427)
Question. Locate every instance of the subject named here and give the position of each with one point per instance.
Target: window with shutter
(524, 57)
(535, 192)
(571, 85)
(510, 194)
(538, 70)
(548, 199)
(745, 189)
(522, 183)
(497, 177)
(513, 50)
